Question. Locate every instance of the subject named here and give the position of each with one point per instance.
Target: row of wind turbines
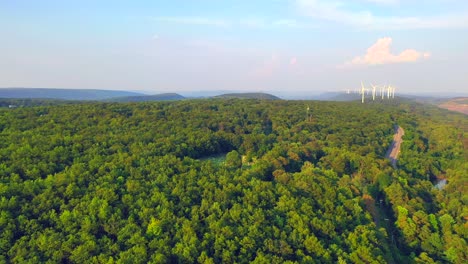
(384, 89)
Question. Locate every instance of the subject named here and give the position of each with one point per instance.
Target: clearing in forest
(394, 148)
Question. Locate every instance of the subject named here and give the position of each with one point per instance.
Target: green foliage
(233, 160)
(135, 183)
(432, 222)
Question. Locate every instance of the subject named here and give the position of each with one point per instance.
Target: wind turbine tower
(382, 90)
(393, 92)
(373, 92)
(362, 92)
(388, 91)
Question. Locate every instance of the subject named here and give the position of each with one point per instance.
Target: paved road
(394, 149)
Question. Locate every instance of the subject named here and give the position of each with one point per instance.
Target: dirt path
(394, 149)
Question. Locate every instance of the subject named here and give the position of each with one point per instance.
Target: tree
(233, 160)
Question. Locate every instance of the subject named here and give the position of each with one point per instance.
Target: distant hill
(342, 96)
(456, 104)
(423, 99)
(64, 94)
(262, 96)
(338, 96)
(148, 98)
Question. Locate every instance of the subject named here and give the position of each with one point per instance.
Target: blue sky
(286, 47)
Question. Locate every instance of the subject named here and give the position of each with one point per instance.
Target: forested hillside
(134, 183)
(26, 102)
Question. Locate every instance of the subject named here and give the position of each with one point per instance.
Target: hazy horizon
(306, 95)
(290, 47)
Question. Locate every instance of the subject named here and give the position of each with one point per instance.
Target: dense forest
(136, 183)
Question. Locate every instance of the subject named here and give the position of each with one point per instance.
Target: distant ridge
(261, 96)
(338, 96)
(148, 98)
(63, 94)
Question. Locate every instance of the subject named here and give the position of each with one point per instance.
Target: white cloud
(203, 21)
(380, 53)
(336, 11)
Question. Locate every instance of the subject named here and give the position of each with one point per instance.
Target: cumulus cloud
(380, 53)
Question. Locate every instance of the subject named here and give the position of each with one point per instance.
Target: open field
(457, 105)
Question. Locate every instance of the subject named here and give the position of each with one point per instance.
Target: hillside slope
(261, 96)
(64, 94)
(149, 98)
(457, 104)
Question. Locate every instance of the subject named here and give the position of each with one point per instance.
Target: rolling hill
(64, 94)
(337, 96)
(262, 96)
(148, 98)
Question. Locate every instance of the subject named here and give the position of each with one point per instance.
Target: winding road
(394, 149)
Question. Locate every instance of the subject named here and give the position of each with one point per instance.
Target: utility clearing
(394, 149)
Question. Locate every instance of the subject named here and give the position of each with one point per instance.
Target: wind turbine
(393, 92)
(373, 92)
(388, 91)
(362, 92)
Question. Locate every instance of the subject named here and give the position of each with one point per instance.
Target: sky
(286, 47)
